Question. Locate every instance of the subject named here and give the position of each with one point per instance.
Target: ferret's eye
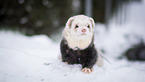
(76, 26)
(88, 26)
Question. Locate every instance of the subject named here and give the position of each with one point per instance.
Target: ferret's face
(81, 26)
(79, 31)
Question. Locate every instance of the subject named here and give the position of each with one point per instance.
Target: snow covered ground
(35, 58)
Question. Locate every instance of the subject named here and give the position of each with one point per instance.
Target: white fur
(100, 61)
(74, 36)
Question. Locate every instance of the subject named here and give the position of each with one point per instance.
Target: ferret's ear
(92, 21)
(69, 21)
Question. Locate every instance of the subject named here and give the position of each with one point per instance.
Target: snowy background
(35, 58)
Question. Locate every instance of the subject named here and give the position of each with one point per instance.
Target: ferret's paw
(87, 70)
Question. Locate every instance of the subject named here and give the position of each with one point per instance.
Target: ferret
(77, 44)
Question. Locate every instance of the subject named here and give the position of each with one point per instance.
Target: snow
(119, 38)
(36, 58)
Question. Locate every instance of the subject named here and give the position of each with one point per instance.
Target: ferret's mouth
(83, 34)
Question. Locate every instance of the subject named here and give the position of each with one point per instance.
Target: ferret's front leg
(87, 66)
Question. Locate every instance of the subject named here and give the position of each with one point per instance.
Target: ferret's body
(77, 45)
(86, 57)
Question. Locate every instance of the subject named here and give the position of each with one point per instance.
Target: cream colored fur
(74, 37)
(100, 61)
(74, 42)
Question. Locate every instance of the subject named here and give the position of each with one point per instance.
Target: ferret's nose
(84, 30)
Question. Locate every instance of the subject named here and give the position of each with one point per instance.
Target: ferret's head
(79, 31)
(80, 26)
